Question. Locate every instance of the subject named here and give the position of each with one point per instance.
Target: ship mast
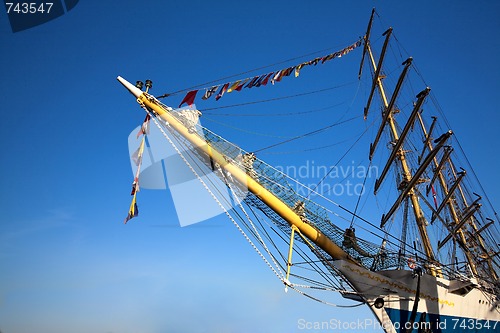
(290, 215)
(462, 229)
(408, 183)
(447, 192)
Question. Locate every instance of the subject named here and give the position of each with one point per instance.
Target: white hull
(450, 306)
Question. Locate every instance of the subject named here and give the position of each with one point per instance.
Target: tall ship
(428, 263)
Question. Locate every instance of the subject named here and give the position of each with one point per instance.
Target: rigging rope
(312, 191)
(282, 97)
(246, 72)
(469, 165)
(273, 114)
(226, 211)
(234, 221)
(310, 149)
(246, 131)
(259, 238)
(341, 158)
(308, 134)
(276, 268)
(446, 122)
(360, 194)
(325, 302)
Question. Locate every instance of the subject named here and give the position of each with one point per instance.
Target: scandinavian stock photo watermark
(373, 325)
(168, 166)
(25, 15)
(337, 180)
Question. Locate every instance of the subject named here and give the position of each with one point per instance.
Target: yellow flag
(133, 211)
(297, 69)
(233, 86)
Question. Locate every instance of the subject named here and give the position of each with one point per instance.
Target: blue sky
(68, 262)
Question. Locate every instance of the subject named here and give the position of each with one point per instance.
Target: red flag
(135, 186)
(144, 128)
(189, 98)
(264, 82)
(239, 87)
(434, 196)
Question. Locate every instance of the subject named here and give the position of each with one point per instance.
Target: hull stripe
(441, 323)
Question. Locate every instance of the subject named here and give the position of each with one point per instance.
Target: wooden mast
(456, 232)
(273, 202)
(401, 157)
